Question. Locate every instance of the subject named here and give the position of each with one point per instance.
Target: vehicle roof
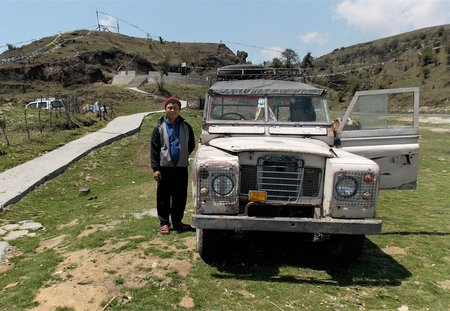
(44, 99)
(263, 87)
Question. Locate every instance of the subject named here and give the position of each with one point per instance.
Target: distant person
(302, 109)
(96, 107)
(171, 143)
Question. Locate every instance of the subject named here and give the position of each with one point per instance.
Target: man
(302, 109)
(172, 142)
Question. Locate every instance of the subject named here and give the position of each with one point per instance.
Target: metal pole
(98, 23)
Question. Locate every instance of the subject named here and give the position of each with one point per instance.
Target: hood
(273, 144)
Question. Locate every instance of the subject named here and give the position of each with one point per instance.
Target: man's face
(172, 111)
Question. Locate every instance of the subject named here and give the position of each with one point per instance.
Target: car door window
(381, 111)
(383, 125)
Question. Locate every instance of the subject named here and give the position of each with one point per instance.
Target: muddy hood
(272, 144)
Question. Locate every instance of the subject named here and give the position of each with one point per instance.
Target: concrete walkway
(16, 182)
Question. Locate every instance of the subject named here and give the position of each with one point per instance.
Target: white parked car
(272, 159)
(47, 103)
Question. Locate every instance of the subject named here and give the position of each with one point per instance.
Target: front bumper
(284, 224)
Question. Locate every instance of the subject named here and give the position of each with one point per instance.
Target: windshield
(272, 109)
(57, 104)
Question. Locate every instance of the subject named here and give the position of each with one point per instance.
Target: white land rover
(271, 159)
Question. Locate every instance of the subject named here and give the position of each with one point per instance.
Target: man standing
(172, 142)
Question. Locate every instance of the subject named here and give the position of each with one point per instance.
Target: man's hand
(157, 176)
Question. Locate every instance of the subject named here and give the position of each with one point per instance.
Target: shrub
(427, 57)
(426, 73)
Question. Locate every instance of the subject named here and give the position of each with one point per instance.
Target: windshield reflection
(268, 109)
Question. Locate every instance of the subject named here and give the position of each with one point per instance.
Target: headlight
(222, 185)
(346, 186)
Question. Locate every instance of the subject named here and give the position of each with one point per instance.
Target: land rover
(274, 158)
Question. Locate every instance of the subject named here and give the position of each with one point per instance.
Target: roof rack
(247, 72)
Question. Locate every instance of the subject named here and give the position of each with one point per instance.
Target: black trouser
(171, 194)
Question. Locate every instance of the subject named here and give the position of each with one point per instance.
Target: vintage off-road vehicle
(272, 159)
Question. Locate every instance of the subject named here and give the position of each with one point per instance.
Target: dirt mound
(87, 279)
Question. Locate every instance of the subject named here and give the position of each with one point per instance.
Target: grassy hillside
(30, 133)
(418, 58)
(81, 57)
(72, 61)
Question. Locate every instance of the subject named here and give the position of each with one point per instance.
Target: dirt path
(433, 120)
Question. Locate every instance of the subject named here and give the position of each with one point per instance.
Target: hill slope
(418, 58)
(83, 56)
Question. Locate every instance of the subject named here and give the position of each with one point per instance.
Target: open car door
(383, 125)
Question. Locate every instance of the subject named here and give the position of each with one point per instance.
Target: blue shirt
(174, 139)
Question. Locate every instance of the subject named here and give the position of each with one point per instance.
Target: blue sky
(262, 28)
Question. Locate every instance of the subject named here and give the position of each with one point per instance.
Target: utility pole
(98, 23)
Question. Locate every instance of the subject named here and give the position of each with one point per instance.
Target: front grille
(311, 182)
(280, 176)
(248, 179)
(283, 181)
(310, 185)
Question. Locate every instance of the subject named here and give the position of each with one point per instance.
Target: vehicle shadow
(260, 257)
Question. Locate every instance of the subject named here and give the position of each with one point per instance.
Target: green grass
(48, 130)
(37, 133)
(406, 265)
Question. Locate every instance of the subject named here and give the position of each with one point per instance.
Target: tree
(11, 47)
(3, 130)
(307, 61)
(165, 63)
(355, 84)
(277, 63)
(341, 96)
(290, 57)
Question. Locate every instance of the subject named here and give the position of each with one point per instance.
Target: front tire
(207, 243)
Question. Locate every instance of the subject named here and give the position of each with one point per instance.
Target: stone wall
(176, 78)
(196, 103)
(124, 77)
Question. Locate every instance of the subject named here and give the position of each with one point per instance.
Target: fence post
(39, 122)
(3, 130)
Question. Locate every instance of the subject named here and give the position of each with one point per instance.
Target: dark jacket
(160, 147)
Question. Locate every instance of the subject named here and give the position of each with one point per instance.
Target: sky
(262, 28)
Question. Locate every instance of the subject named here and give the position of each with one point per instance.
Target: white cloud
(271, 52)
(389, 17)
(314, 37)
(108, 21)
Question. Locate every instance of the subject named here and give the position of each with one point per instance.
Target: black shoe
(181, 227)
